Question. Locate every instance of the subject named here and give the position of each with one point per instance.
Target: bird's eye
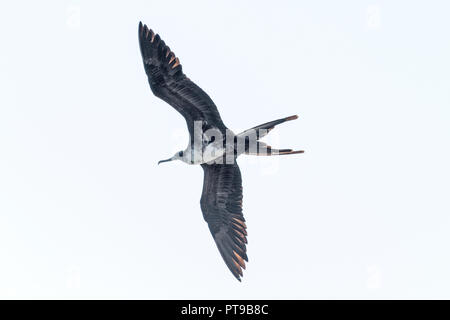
(180, 154)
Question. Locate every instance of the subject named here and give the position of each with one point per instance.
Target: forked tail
(260, 148)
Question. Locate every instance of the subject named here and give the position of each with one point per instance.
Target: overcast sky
(85, 212)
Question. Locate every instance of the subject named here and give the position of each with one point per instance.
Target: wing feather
(169, 83)
(221, 205)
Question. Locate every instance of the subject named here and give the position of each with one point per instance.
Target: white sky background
(85, 212)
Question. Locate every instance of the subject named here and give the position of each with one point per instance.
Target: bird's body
(211, 145)
(205, 154)
(203, 150)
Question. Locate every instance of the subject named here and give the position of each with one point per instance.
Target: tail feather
(263, 129)
(262, 149)
(288, 151)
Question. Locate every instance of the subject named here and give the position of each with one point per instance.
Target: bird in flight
(211, 145)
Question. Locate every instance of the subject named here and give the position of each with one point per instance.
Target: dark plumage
(221, 200)
(168, 82)
(221, 204)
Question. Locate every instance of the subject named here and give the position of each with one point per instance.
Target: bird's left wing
(221, 205)
(168, 82)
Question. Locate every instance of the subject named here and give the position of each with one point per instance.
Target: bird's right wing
(169, 83)
(221, 205)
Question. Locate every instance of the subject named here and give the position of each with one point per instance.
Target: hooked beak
(170, 159)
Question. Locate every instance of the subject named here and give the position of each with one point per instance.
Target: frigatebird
(212, 145)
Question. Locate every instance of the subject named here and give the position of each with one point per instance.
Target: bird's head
(176, 156)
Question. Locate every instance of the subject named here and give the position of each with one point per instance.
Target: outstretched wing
(169, 83)
(221, 205)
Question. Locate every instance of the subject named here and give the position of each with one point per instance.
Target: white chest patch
(212, 152)
(197, 156)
